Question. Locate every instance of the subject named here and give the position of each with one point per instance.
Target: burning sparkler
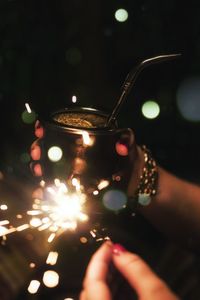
(59, 210)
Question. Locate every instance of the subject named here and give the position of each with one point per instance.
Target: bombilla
(131, 78)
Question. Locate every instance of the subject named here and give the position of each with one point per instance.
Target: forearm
(175, 210)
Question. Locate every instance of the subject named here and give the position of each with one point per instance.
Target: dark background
(52, 50)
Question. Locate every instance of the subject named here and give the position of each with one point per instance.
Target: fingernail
(118, 249)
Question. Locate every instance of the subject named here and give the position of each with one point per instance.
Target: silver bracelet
(147, 187)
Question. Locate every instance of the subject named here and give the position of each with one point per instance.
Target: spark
(42, 183)
(93, 234)
(22, 227)
(60, 209)
(4, 231)
(74, 99)
(33, 286)
(106, 238)
(3, 207)
(52, 258)
(76, 183)
(34, 212)
(19, 216)
(51, 237)
(4, 222)
(95, 192)
(99, 239)
(35, 222)
(103, 184)
(28, 108)
(44, 226)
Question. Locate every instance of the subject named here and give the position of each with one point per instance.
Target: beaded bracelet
(147, 187)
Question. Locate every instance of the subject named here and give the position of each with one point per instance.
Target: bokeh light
(50, 279)
(121, 149)
(188, 99)
(55, 153)
(25, 158)
(35, 222)
(73, 56)
(114, 200)
(121, 15)
(29, 117)
(32, 265)
(83, 240)
(150, 109)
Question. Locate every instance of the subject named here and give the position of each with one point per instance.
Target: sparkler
(60, 209)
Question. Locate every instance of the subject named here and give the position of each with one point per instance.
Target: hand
(139, 275)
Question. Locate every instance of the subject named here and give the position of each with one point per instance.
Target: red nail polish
(117, 249)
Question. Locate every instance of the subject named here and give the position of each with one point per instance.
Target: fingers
(36, 151)
(98, 265)
(95, 287)
(36, 156)
(140, 276)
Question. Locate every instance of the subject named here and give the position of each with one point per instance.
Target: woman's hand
(94, 284)
(139, 275)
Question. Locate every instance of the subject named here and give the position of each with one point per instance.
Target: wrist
(143, 183)
(136, 172)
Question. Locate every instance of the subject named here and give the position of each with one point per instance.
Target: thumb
(140, 276)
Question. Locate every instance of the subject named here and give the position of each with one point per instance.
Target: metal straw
(131, 78)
